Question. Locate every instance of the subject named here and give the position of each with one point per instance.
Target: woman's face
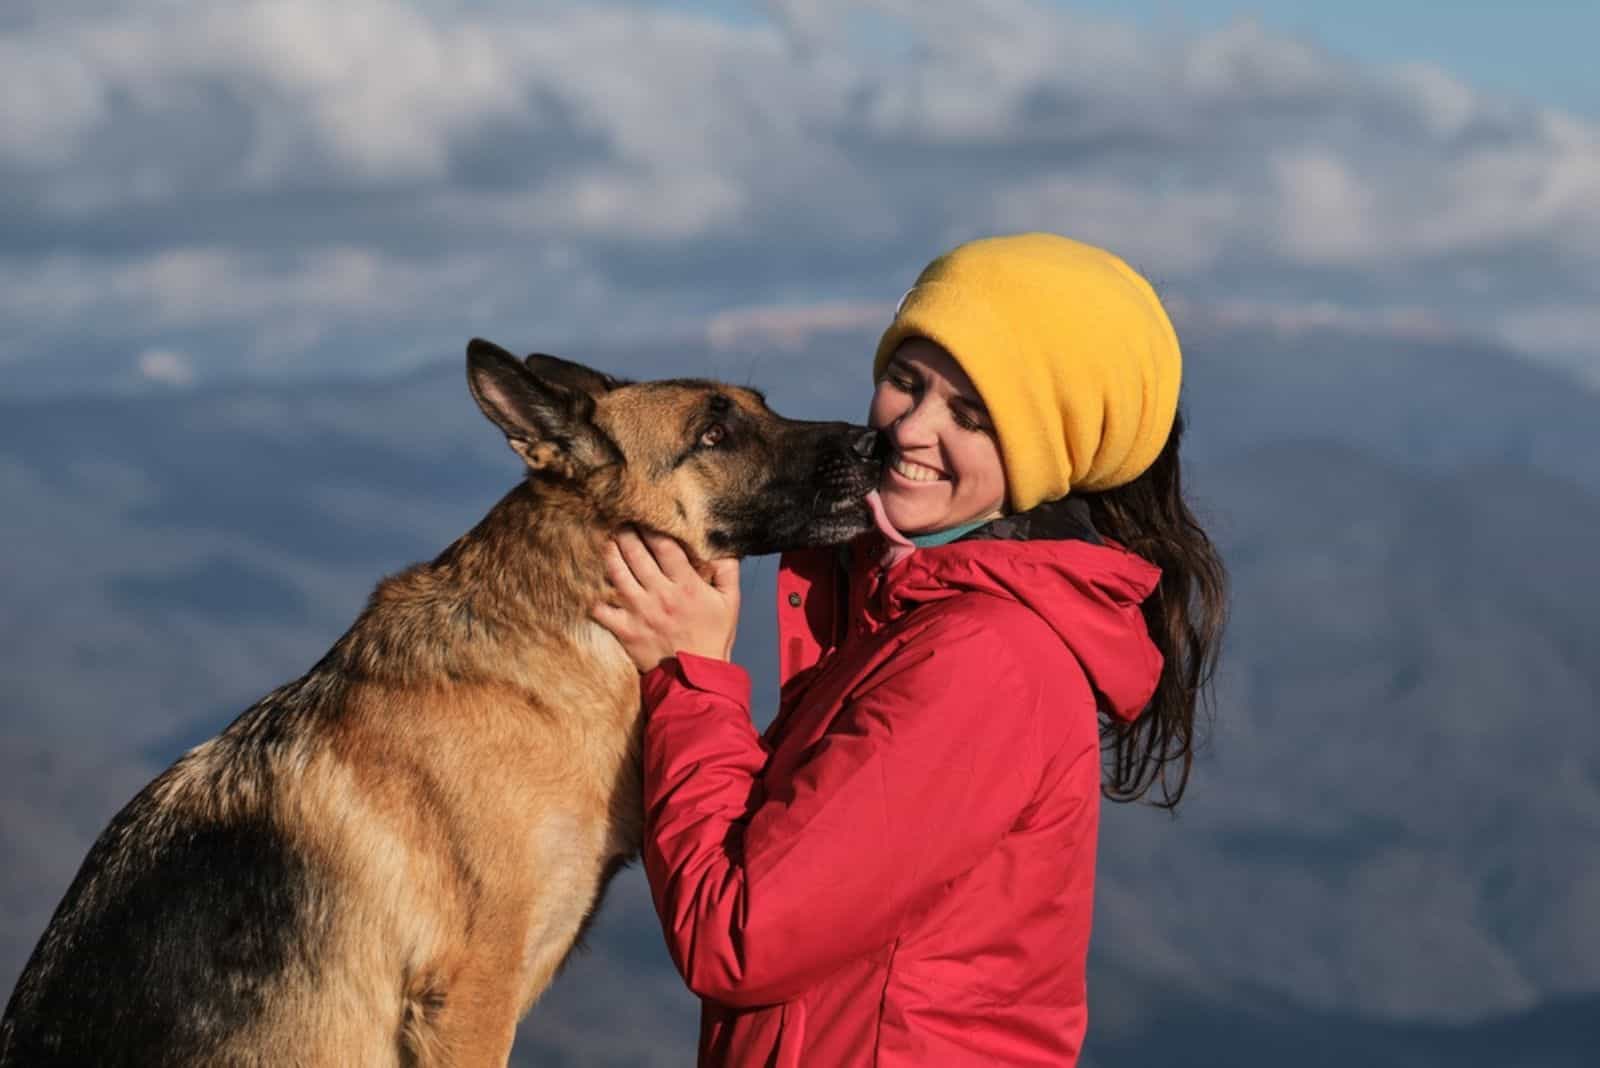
(945, 466)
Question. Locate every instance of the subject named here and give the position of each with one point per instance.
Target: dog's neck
(524, 577)
(534, 560)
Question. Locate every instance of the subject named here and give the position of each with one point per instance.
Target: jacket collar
(1051, 560)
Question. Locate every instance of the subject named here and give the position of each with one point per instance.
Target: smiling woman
(944, 466)
(901, 870)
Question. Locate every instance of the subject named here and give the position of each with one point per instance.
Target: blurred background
(242, 246)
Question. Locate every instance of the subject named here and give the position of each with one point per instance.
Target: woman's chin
(907, 519)
(916, 508)
(916, 517)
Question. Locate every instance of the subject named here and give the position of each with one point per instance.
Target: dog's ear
(550, 425)
(572, 375)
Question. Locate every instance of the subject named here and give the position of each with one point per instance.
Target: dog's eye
(713, 435)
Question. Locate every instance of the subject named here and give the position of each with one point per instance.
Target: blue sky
(285, 189)
(1542, 49)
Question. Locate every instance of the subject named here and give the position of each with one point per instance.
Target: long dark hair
(1185, 615)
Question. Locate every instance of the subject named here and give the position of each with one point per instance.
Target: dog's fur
(386, 860)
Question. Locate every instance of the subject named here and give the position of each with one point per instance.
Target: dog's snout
(868, 445)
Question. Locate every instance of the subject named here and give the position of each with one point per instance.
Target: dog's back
(357, 871)
(191, 915)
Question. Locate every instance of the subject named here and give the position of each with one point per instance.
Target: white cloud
(1568, 333)
(48, 100)
(1297, 317)
(605, 203)
(1245, 64)
(687, 164)
(1326, 214)
(207, 286)
(1180, 232)
(790, 326)
(166, 366)
(374, 85)
(1446, 103)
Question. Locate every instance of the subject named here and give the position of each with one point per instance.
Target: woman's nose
(913, 426)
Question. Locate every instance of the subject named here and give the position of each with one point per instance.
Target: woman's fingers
(660, 604)
(725, 578)
(637, 557)
(643, 645)
(621, 575)
(618, 620)
(655, 558)
(669, 556)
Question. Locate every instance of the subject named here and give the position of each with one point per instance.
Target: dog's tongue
(899, 546)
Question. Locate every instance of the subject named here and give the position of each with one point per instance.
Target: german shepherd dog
(385, 861)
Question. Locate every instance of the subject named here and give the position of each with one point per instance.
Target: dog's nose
(868, 445)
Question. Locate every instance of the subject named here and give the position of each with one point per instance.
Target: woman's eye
(903, 384)
(712, 436)
(966, 422)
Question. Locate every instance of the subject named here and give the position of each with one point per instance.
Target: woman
(900, 871)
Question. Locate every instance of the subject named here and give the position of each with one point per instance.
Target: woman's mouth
(912, 471)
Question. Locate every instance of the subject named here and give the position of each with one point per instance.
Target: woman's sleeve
(763, 890)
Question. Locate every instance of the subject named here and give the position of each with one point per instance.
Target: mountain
(1200, 1032)
(1389, 852)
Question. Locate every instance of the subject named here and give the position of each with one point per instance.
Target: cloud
(791, 326)
(167, 367)
(373, 87)
(1571, 330)
(1326, 212)
(1398, 322)
(307, 182)
(1168, 236)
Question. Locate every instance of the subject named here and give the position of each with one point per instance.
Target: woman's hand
(661, 606)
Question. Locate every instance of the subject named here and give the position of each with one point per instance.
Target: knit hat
(1069, 348)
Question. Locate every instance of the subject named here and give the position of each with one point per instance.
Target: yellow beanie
(1069, 348)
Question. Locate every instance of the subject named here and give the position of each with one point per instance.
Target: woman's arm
(763, 890)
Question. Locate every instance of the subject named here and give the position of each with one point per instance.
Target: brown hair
(1185, 615)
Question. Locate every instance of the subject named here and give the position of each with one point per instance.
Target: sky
(291, 188)
(1540, 50)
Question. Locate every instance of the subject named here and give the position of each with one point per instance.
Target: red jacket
(900, 871)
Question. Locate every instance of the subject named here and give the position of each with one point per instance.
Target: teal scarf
(944, 537)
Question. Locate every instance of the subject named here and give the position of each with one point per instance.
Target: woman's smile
(912, 471)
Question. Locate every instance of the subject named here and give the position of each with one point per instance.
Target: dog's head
(708, 463)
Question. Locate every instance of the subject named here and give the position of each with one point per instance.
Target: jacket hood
(1090, 595)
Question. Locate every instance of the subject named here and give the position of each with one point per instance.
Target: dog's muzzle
(871, 445)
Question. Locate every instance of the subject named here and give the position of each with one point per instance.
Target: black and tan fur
(385, 861)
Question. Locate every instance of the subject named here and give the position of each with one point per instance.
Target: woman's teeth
(914, 471)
